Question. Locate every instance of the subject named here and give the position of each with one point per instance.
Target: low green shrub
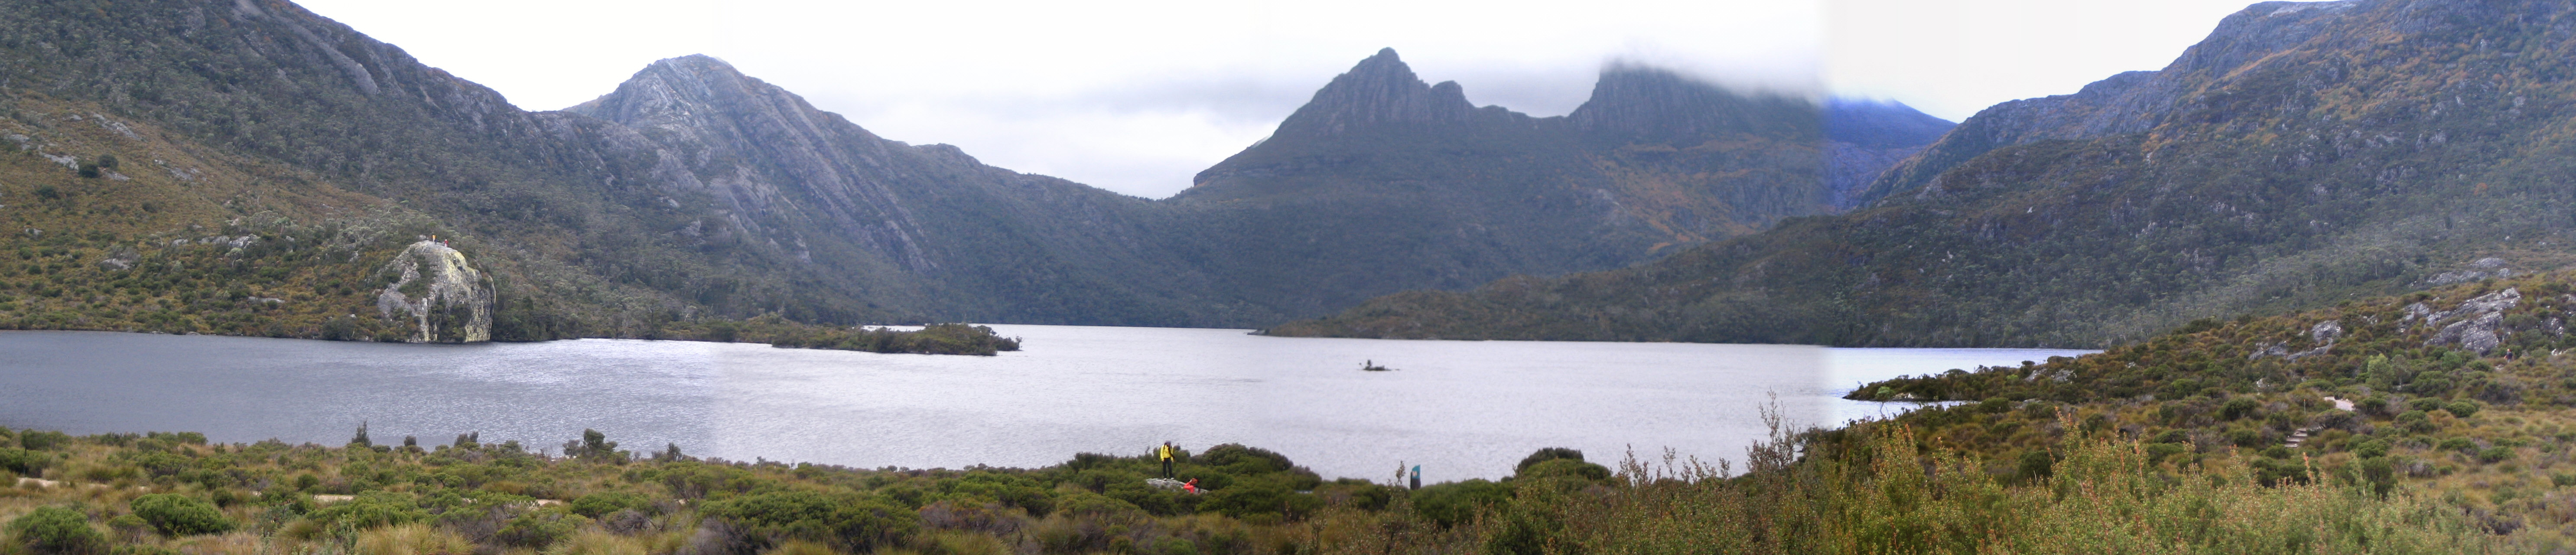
(1547, 454)
(2463, 409)
(605, 503)
(25, 462)
(2159, 452)
(2239, 408)
(180, 515)
(1565, 468)
(2495, 454)
(57, 531)
(850, 521)
(44, 440)
(2417, 421)
(539, 529)
(370, 510)
(1236, 458)
(1449, 504)
(1262, 498)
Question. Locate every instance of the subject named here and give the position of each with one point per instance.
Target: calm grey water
(1461, 409)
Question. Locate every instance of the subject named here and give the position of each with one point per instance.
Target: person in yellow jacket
(1165, 452)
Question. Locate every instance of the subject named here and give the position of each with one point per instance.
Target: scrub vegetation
(2460, 394)
(1872, 488)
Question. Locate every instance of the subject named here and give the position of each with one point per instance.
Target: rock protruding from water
(435, 287)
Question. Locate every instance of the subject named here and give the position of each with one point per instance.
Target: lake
(1461, 409)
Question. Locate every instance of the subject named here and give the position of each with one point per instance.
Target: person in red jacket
(1192, 486)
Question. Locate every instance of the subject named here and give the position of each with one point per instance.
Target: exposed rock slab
(434, 286)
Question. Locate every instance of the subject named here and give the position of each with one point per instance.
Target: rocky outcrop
(122, 257)
(2476, 325)
(435, 288)
(2483, 268)
(2323, 336)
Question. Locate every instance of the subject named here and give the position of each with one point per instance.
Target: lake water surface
(1461, 409)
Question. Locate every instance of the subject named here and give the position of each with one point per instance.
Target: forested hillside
(2304, 154)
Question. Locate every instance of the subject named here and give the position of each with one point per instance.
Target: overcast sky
(1136, 97)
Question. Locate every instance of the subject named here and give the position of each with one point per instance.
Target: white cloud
(1951, 58)
(1137, 96)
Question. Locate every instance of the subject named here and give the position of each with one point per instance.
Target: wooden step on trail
(2301, 435)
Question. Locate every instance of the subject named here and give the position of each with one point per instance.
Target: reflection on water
(1461, 409)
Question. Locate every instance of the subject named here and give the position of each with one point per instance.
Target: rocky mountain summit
(1381, 90)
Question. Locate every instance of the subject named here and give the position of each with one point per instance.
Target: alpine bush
(58, 531)
(849, 521)
(180, 515)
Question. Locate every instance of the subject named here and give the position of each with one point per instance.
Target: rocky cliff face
(437, 290)
(767, 156)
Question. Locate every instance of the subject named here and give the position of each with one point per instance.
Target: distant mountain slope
(2303, 154)
(926, 228)
(1384, 182)
(268, 85)
(1867, 138)
(695, 191)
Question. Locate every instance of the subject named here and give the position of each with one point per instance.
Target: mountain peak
(1379, 90)
(1650, 104)
(663, 82)
(695, 63)
(1881, 123)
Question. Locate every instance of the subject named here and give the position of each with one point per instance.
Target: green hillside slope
(271, 86)
(2459, 393)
